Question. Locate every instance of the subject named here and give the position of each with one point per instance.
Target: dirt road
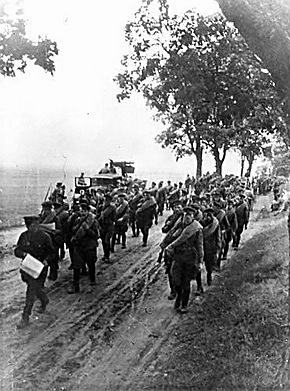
(101, 339)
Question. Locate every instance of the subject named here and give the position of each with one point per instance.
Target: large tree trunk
(218, 161)
(249, 170)
(199, 156)
(265, 25)
(242, 165)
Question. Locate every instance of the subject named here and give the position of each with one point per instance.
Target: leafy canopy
(16, 50)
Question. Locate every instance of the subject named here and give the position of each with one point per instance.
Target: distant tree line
(202, 81)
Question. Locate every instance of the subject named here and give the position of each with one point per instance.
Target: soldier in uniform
(107, 223)
(220, 214)
(133, 204)
(85, 241)
(186, 252)
(211, 241)
(242, 212)
(160, 198)
(61, 217)
(39, 245)
(58, 193)
(121, 222)
(231, 230)
(46, 214)
(170, 228)
(47, 217)
(153, 192)
(145, 214)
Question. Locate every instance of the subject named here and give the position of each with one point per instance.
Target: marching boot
(52, 275)
(23, 323)
(171, 296)
(42, 308)
(209, 279)
(75, 288)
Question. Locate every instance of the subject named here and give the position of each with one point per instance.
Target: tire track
(82, 327)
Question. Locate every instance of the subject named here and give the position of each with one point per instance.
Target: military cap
(57, 204)
(208, 210)
(30, 219)
(195, 197)
(195, 206)
(85, 205)
(58, 183)
(47, 204)
(189, 209)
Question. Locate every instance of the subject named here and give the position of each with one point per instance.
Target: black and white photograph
(145, 195)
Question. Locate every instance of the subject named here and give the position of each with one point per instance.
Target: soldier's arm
(246, 214)
(200, 250)
(21, 249)
(226, 222)
(218, 239)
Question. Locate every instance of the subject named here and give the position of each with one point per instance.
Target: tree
(16, 50)
(265, 25)
(198, 74)
(158, 68)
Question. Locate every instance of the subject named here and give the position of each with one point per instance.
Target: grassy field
(22, 191)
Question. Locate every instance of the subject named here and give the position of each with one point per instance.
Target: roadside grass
(237, 338)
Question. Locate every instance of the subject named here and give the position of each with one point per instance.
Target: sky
(73, 118)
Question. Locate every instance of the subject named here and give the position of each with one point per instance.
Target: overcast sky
(74, 116)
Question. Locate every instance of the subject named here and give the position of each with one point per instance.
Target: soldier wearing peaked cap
(121, 222)
(39, 245)
(145, 214)
(242, 212)
(58, 193)
(107, 223)
(47, 214)
(85, 241)
(186, 251)
(134, 202)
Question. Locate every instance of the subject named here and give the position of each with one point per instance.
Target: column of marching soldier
(206, 216)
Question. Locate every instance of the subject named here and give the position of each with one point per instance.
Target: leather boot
(75, 288)
(23, 323)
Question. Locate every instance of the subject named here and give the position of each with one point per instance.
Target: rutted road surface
(52, 352)
(99, 339)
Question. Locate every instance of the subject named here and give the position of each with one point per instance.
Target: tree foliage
(265, 24)
(201, 79)
(16, 50)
